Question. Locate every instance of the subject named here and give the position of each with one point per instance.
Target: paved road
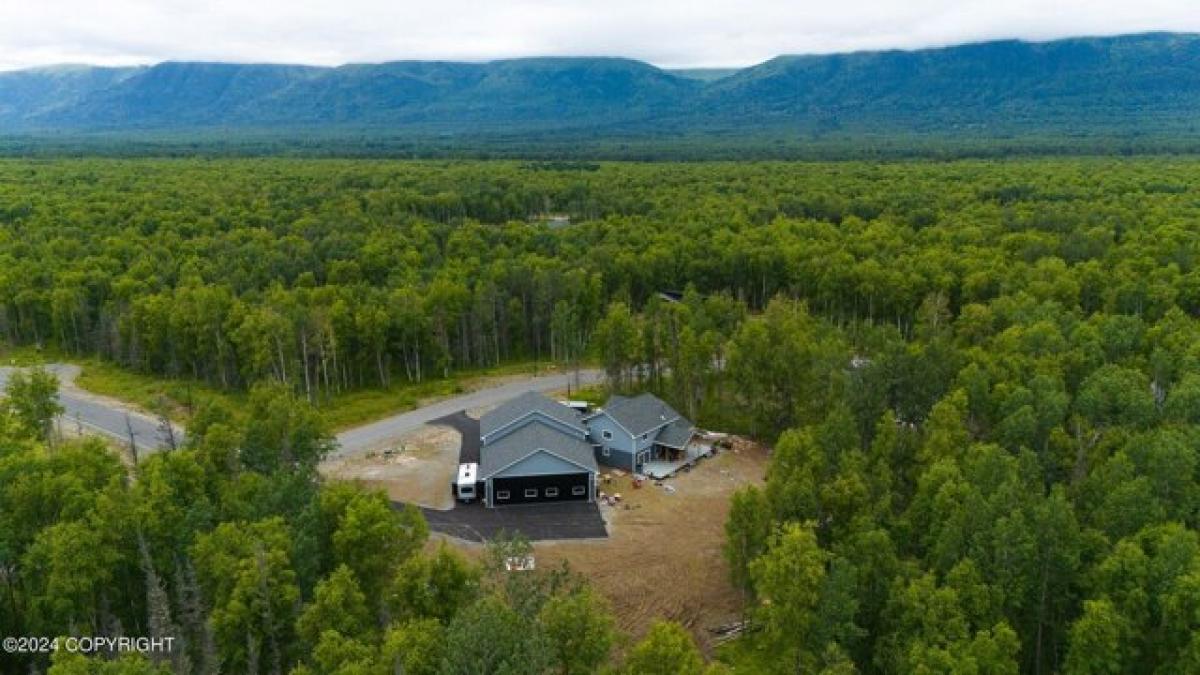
(376, 434)
(88, 412)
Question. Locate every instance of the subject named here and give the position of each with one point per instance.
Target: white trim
(502, 495)
(531, 496)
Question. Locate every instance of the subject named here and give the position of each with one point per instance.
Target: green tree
(579, 627)
(339, 605)
(415, 647)
(373, 539)
(616, 340)
(747, 531)
(667, 649)
(489, 638)
(32, 396)
(788, 580)
(436, 586)
(246, 575)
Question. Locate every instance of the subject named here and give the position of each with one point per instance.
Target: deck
(660, 469)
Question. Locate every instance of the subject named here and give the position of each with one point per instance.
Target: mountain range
(1145, 83)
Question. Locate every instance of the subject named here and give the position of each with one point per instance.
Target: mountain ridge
(1140, 83)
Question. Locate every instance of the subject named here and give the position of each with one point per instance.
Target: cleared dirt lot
(418, 470)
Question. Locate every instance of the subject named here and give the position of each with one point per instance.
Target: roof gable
(639, 414)
(529, 403)
(530, 440)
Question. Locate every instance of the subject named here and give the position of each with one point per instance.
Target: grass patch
(353, 408)
(178, 397)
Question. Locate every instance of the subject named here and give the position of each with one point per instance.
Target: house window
(502, 494)
(606, 451)
(579, 490)
(551, 492)
(530, 493)
(606, 434)
(645, 436)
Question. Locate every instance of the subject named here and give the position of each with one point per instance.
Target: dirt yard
(663, 556)
(417, 470)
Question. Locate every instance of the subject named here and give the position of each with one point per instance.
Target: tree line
(333, 275)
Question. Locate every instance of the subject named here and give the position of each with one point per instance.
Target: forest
(980, 380)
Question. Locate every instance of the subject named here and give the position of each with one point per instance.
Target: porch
(665, 461)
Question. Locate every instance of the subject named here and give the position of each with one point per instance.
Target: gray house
(639, 434)
(533, 449)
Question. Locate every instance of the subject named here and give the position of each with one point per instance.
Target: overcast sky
(672, 33)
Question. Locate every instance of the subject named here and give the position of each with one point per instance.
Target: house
(533, 449)
(641, 434)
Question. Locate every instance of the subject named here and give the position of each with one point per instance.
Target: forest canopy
(980, 380)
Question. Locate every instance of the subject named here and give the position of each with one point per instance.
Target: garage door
(533, 489)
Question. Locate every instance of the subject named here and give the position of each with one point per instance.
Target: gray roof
(526, 404)
(676, 434)
(640, 413)
(531, 439)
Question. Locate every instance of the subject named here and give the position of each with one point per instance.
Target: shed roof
(529, 440)
(526, 404)
(640, 413)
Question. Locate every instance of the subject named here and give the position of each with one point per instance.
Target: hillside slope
(1128, 84)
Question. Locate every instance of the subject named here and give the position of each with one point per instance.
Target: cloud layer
(673, 33)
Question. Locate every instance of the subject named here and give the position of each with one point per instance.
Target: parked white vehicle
(465, 484)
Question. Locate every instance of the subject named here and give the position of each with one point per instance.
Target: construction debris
(725, 633)
(519, 563)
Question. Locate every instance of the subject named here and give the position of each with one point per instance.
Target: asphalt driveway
(537, 522)
(468, 430)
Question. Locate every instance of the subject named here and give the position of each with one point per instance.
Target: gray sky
(672, 33)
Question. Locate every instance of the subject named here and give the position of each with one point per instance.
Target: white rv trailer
(465, 484)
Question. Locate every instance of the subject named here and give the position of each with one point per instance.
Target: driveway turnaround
(89, 413)
(538, 522)
(377, 434)
(468, 429)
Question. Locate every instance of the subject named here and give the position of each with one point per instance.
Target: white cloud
(664, 32)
